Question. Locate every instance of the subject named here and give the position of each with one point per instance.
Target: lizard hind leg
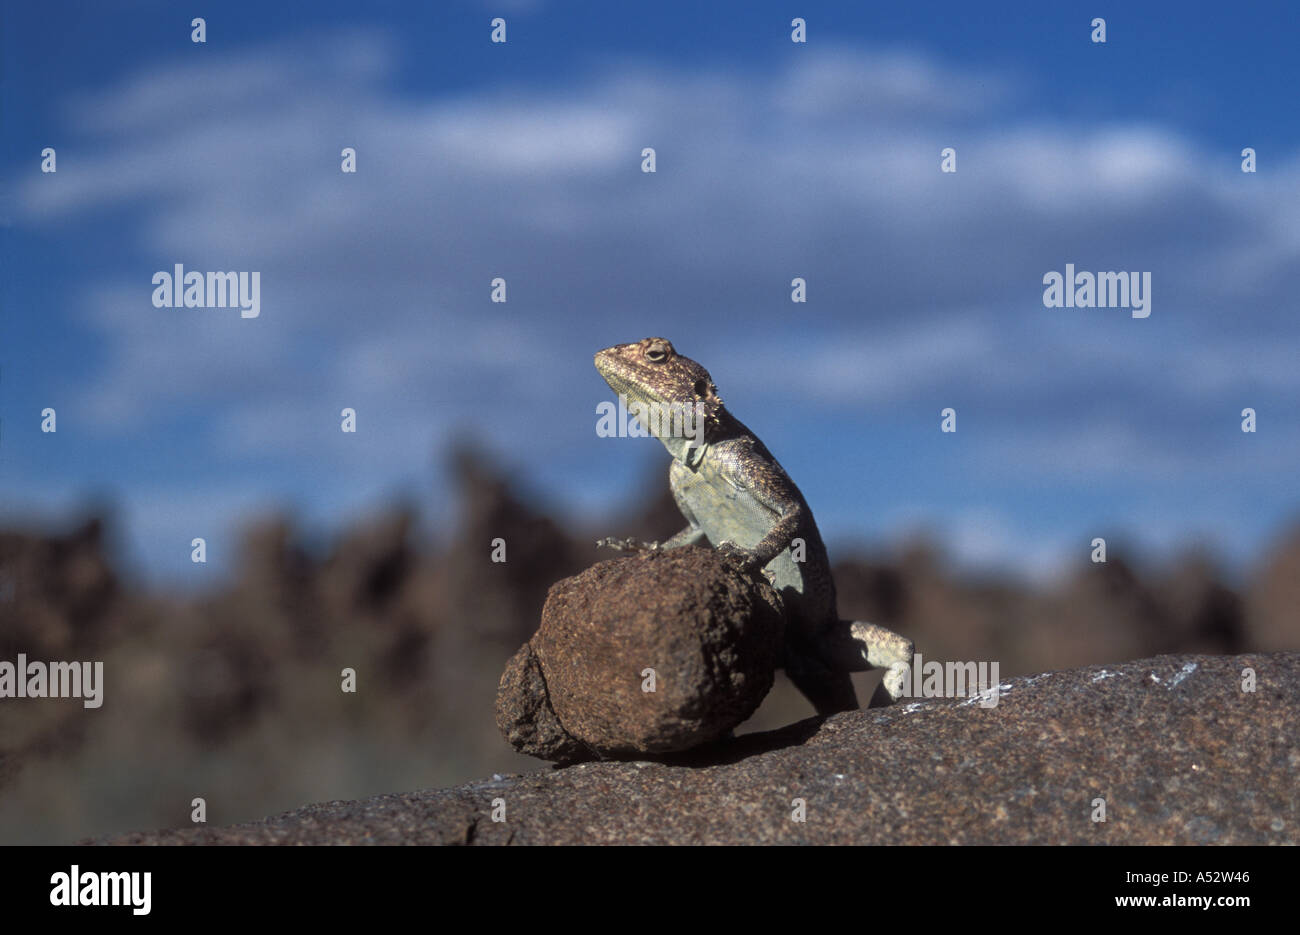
(856, 646)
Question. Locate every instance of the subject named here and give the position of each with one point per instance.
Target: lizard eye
(656, 355)
(701, 389)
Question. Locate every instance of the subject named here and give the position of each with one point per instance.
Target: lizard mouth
(621, 376)
(611, 368)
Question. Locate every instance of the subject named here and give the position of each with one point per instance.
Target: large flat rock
(1176, 748)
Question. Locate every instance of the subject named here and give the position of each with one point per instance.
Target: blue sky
(775, 160)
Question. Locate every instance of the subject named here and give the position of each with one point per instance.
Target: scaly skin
(734, 493)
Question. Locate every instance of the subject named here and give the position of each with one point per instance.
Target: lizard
(737, 496)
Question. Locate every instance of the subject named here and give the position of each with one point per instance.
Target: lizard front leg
(746, 466)
(776, 541)
(780, 536)
(691, 535)
(688, 536)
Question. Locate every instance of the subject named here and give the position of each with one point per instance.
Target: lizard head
(651, 372)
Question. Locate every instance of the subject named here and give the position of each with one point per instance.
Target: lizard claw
(747, 559)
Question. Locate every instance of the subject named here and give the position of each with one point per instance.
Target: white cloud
(375, 285)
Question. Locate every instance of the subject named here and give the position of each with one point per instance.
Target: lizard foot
(885, 649)
(747, 559)
(895, 681)
(855, 646)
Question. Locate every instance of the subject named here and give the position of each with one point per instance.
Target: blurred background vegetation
(234, 695)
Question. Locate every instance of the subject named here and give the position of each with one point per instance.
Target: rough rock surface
(1180, 753)
(524, 713)
(711, 635)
